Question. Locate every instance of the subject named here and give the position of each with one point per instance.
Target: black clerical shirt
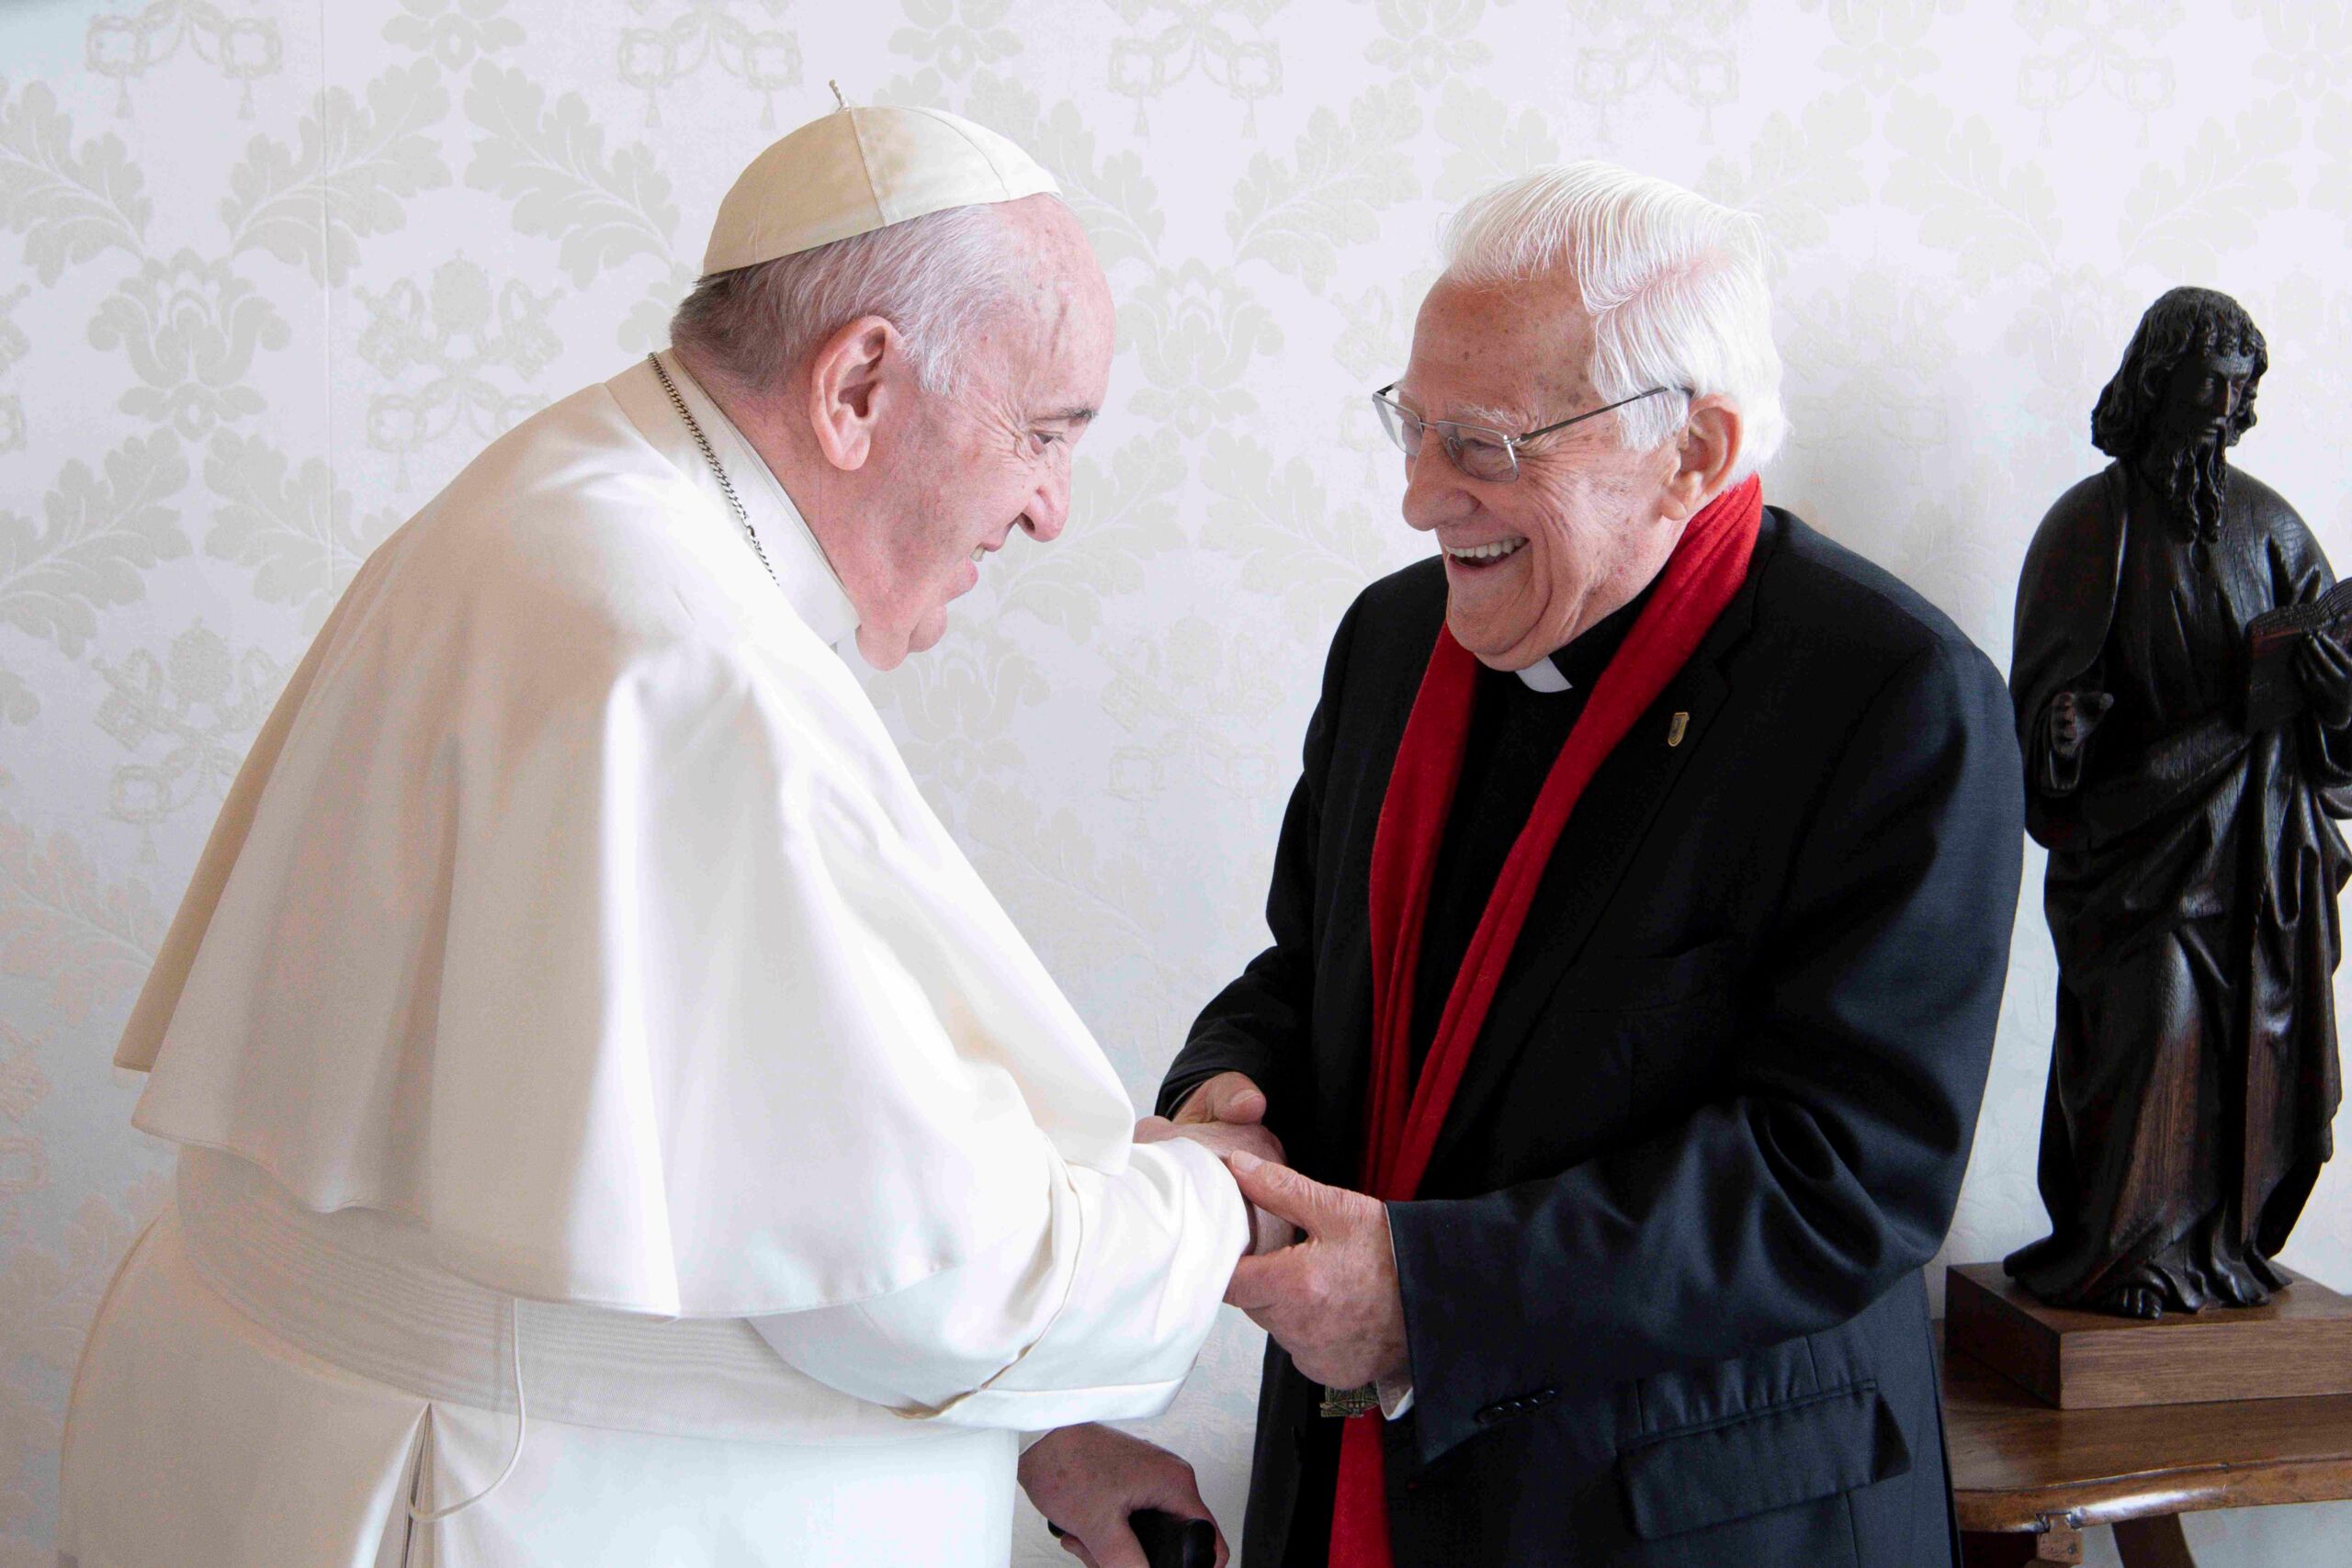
(1516, 733)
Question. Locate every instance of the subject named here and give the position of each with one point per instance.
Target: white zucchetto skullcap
(860, 169)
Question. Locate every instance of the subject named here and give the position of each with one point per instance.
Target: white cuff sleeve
(1395, 1399)
(1096, 1314)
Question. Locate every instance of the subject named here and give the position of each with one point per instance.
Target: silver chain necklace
(693, 428)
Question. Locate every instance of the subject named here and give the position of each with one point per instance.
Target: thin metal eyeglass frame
(1446, 428)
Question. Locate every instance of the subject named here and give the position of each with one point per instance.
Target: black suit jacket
(1662, 1284)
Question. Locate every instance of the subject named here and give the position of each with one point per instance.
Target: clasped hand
(1331, 1298)
(1225, 1116)
(1321, 1277)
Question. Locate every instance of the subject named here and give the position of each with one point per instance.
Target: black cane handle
(1167, 1541)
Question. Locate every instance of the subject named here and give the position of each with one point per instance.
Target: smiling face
(906, 489)
(948, 477)
(1532, 563)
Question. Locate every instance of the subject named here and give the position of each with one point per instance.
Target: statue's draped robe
(2191, 895)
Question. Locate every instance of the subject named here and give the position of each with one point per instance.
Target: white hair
(933, 278)
(1674, 284)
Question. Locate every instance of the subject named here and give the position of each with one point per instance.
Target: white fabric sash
(359, 1290)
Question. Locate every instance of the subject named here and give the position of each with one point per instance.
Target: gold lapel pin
(1674, 732)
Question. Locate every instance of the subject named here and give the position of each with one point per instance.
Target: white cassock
(575, 970)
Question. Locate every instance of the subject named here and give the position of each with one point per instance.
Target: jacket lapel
(1618, 809)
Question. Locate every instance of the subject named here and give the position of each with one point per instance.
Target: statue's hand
(2325, 670)
(2073, 716)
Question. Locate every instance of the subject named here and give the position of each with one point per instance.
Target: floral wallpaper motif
(270, 274)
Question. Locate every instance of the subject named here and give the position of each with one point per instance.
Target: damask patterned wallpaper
(273, 272)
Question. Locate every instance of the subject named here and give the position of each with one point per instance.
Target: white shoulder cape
(575, 905)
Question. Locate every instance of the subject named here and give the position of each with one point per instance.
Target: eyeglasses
(1479, 452)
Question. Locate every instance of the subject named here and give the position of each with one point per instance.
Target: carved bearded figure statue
(2193, 868)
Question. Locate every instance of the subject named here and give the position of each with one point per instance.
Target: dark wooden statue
(2183, 696)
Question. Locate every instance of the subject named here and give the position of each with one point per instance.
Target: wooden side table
(2030, 1478)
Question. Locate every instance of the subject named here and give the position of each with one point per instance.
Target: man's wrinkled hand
(1089, 1479)
(1227, 1097)
(1222, 1139)
(1228, 1112)
(1332, 1301)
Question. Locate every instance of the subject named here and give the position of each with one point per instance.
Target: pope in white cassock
(615, 1124)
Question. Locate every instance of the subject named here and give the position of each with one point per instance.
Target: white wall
(273, 271)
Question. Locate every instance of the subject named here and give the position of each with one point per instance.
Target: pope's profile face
(966, 469)
(1529, 563)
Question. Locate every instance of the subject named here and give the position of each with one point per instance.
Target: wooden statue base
(2297, 1345)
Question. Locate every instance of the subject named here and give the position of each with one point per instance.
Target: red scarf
(1402, 1117)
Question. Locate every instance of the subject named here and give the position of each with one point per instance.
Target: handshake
(1321, 1277)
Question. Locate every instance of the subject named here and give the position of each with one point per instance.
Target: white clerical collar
(1543, 676)
(807, 579)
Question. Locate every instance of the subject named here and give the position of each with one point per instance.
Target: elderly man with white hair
(615, 1124)
(1639, 929)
